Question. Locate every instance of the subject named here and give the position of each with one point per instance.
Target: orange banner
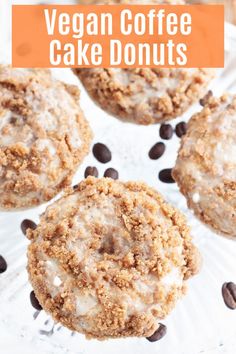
(118, 36)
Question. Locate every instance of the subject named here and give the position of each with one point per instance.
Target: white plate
(200, 323)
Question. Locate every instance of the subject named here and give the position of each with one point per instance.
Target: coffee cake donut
(145, 96)
(43, 136)
(206, 166)
(110, 259)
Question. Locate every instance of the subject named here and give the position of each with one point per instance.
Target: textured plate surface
(200, 323)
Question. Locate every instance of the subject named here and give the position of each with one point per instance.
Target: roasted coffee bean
(181, 129)
(112, 173)
(203, 101)
(102, 153)
(158, 334)
(157, 151)
(3, 265)
(166, 131)
(27, 224)
(229, 295)
(34, 301)
(166, 176)
(91, 171)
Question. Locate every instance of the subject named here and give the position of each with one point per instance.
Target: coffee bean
(158, 334)
(3, 265)
(112, 173)
(157, 151)
(102, 153)
(34, 301)
(181, 129)
(27, 224)
(204, 100)
(166, 176)
(229, 295)
(91, 171)
(166, 131)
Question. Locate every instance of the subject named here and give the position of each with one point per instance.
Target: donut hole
(13, 120)
(107, 245)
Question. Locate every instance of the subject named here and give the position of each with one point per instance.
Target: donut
(43, 136)
(145, 95)
(206, 164)
(110, 259)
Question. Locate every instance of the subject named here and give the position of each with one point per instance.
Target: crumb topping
(122, 256)
(43, 136)
(206, 164)
(145, 96)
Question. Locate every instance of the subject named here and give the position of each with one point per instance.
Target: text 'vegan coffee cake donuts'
(206, 166)
(144, 95)
(43, 136)
(110, 259)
